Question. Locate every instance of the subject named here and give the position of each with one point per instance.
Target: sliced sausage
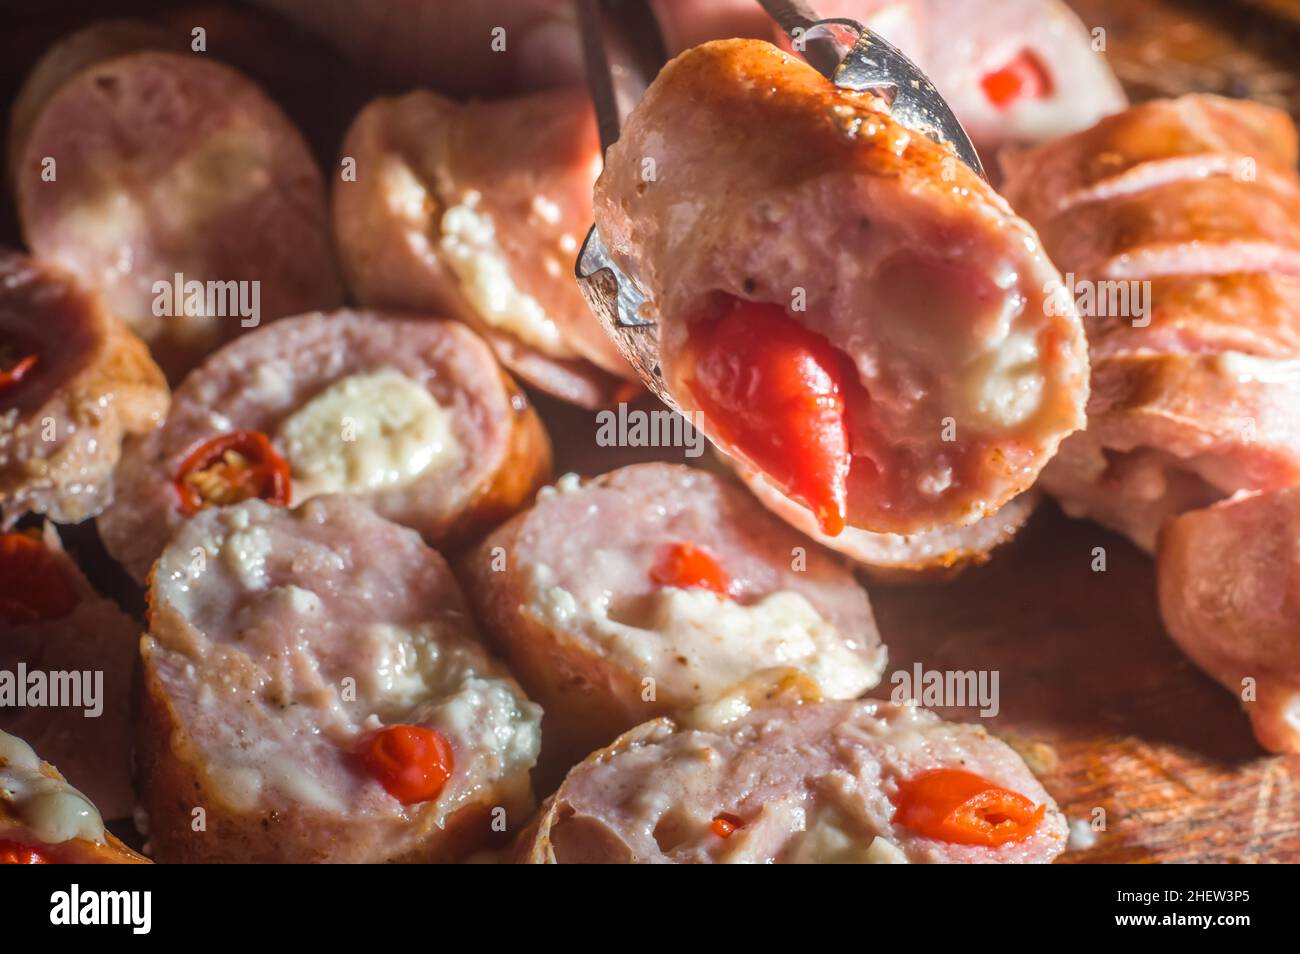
(414, 416)
(478, 211)
(899, 558)
(1179, 218)
(44, 820)
(849, 309)
(1230, 597)
(656, 587)
(74, 381)
(1018, 71)
(172, 184)
(314, 684)
(70, 655)
(817, 782)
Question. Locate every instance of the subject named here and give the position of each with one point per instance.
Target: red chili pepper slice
(1022, 78)
(230, 468)
(963, 808)
(413, 763)
(34, 585)
(777, 392)
(726, 824)
(688, 566)
(17, 362)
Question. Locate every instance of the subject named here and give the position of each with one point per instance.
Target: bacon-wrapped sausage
(1229, 578)
(654, 588)
(477, 211)
(1178, 223)
(74, 381)
(173, 185)
(817, 782)
(852, 312)
(44, 820)
(314, 684)
(70, 655)
(415, 416)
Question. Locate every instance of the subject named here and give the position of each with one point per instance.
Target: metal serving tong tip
(842, 50)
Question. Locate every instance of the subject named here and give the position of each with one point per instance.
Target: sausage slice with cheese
(314, 691)
(851, 311)
(414, 416)
(657, 587)
(477, 211)
(799, 783)
(173, 185)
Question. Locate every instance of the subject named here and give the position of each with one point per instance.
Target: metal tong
(843, 50)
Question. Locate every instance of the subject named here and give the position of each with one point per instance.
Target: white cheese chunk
(827, 840)
(697, 643)
(470, 249)
(53, 810)
(367, 432)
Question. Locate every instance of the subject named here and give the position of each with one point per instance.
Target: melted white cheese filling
(367, 432)
(470, 248)
(53, 810)
(722, 641)
(827, 840)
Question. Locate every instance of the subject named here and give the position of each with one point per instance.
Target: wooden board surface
(1107, 711)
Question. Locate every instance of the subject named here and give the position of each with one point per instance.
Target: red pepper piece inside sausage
(231, 468)
(411, 762)
(18, 359)
(690, 567)
(777, 392)
(725, 824)
(1022, 78)
(33, 586)
(964, 808)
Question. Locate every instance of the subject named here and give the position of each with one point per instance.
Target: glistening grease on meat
(853, 312)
